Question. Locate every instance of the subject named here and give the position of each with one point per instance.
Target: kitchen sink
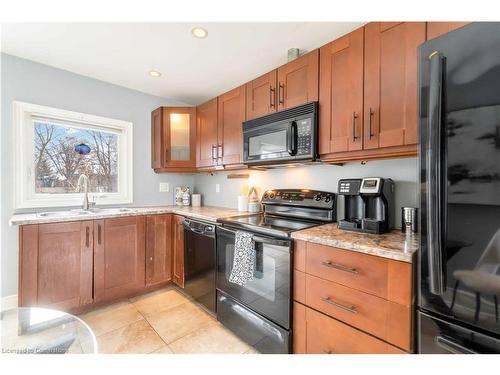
(109, 210)
(91, 211)
(62, 213)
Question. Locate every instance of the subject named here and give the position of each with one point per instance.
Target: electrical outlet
(164, 187)
(217, 188)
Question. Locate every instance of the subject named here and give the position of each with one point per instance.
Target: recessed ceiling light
(199, 32)
(154, 73)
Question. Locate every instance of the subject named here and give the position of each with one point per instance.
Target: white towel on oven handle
(244, 258)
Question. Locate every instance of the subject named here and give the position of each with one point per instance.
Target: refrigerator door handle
(434, 172)
(452, 346)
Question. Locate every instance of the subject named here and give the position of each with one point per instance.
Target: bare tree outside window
(58, 166)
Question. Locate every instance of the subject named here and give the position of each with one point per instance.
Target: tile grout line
(149, 324)
(120, 327)
(161, 338)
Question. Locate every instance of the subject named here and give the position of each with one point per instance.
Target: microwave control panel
(304, 136)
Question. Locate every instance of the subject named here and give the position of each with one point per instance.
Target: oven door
(270, 142)
(268, 293)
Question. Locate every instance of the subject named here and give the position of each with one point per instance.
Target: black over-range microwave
(282, 137)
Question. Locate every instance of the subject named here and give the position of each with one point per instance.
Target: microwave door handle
(292, 138)
(434, 171)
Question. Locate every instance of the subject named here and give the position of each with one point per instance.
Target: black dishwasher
(199, 262)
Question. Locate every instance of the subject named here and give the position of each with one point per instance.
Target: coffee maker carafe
(368, 204)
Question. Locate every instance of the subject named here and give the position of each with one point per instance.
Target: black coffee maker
(368, 204)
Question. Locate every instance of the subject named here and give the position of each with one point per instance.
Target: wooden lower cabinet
(299, 329)
(349, 302)
(178, 250)
(119, 257)
(158, 249)
(56, 265)
(70, 266)
(374, 315)
(320, 334)
(382, 277)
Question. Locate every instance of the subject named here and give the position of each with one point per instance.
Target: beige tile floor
(161, 322)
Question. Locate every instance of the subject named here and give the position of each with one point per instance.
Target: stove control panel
(299, 197)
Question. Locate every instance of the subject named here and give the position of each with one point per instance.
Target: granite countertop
(206, 213)
(393, 245)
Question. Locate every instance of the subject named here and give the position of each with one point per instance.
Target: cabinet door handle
(166, 155)
(219, 151)
(354, 117)
(99, 234)
(272, 97)
(370, 115)
(281, 94)
(87, 236)
(339, 267)
(214, 152)
(351, 309)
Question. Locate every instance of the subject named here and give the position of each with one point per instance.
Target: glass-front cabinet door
(174, 137)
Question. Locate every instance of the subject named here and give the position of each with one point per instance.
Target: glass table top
(43, 331)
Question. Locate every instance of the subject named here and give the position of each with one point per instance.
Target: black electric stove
(259, 311)
(286, 211)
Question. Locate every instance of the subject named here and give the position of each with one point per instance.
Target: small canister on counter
(196, 200)
(409, 219)
(186, 198)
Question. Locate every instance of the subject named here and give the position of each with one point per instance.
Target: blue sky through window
(58, 166)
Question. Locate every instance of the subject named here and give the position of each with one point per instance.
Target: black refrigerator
(459, 255)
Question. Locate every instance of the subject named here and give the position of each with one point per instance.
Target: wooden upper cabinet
(206, 129)
(341, 94)
(119, 257)
(436, 29)
(231, 115)
(261, 95)
(390, 85)
(56, 265)
(158, 249)
(178, 245)
(298, 81)
(173, 138)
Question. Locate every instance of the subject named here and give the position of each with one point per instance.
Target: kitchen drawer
(326, 335)
(377, 316)
(381, 277)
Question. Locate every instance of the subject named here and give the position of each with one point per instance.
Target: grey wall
(319, 177)
(31, 82)
(35, 83)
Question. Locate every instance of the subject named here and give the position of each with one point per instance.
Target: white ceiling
(194, 70)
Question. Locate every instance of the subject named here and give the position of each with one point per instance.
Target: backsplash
(320, 177)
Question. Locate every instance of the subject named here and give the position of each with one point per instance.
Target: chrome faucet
(83, 181)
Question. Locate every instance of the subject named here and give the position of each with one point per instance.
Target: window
(55, 147)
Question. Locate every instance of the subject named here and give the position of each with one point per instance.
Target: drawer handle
(339, 267)
(351, 309)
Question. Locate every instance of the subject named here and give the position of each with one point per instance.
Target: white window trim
(24, 189)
